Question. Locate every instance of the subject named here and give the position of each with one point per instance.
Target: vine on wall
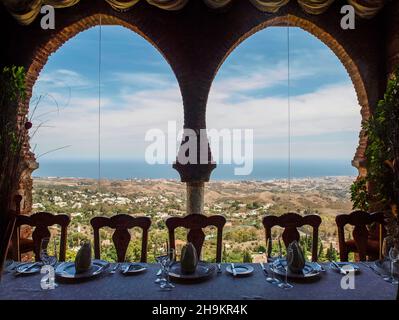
(381, 184)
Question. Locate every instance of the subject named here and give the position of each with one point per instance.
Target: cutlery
(127, 268)
(268, 278)
(342, 271)
(233, 269)
(373, 269)
(219, 268)
(116, 267)
(99, 270)
(319, 267)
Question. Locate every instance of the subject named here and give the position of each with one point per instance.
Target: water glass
(393, 257)
(167, 263)
(48, 252)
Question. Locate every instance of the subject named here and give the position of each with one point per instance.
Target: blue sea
(262, 170)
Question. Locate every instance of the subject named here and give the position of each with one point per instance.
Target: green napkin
(189, 259)
(83, 258)
(295, 257)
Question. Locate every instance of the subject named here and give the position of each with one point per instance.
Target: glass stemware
(161, 272)
(269, 248)
(283, 284)
(48, 255)
(167, 262)
(393, 257)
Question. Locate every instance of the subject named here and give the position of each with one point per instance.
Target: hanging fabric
(26, 11)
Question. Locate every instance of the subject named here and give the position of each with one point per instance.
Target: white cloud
(128, 114)
(61, 78)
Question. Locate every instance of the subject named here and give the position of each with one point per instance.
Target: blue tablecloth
(368, 285)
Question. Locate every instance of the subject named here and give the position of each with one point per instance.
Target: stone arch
(35, 66)
(338, 49)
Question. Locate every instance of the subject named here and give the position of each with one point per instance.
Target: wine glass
(269, 248)
(161, 273)
(393, 257)
(48, 256)
(167, 262)
(283, 284)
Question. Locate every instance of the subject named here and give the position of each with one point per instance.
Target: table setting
(170, 278)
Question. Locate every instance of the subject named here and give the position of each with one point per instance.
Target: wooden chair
(195, 223)
(41, 221)
(290, 222)
(121, 236)
(364, 242)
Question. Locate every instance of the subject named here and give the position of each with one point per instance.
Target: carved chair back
(291, 222)
(359, 220)
(195, 223)
(41, 221)
(121, 236)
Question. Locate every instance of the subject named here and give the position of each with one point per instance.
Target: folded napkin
(189, 258)
(295, 257)
(83, 258)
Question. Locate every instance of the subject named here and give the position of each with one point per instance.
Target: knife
(342, 271)
(264, 268)
(372, 268)
(233, 269)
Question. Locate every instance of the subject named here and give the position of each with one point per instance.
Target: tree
(321, 251)
(246, 257)
(331, 254)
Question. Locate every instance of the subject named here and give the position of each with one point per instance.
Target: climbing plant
(381, 184)
(12, 92)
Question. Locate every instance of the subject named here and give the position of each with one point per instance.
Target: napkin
(189, 258)
(83, 258)
(295, 257)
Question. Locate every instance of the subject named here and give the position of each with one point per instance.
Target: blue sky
(140, 92)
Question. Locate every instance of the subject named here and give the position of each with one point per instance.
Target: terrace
(195, 38)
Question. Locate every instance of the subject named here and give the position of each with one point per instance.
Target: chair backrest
(7, 230)
(41, 221)
(195, 223)
(360, 220)
(121, 236)
(290, 222)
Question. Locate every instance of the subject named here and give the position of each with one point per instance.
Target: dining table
(220, 286)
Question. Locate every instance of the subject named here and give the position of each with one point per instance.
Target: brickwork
(196, 40)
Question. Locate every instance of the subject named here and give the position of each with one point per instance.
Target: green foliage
(331, 254)
(359, 194)
(246, 257)
(12, 81)
(12, 92)
(382, 152)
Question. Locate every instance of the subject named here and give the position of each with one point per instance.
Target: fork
(233, 269)
(116, 267)
(372, 268)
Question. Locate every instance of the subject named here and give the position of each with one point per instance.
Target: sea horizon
(135, 169)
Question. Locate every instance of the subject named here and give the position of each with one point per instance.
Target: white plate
(28, 268)
(241, 269)
(133, 268)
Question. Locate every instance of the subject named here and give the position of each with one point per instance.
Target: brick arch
(34, 68)
(338, 49)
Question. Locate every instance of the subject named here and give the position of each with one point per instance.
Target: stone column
(195, 197)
